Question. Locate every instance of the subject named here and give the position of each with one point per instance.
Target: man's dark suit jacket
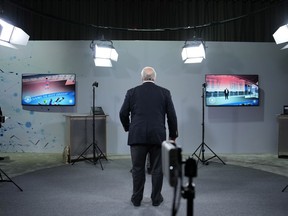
(144, 112)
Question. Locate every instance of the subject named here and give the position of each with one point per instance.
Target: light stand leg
(201, 156)
(285, 188)
(2, 120)
(8, 179)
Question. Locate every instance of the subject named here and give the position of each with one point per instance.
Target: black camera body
(171, 162)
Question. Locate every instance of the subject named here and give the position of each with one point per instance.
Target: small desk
(79, 135)
(283, 136)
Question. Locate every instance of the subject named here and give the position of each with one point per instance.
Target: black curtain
(212, 20)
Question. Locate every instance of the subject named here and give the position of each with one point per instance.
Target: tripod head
(95, 84)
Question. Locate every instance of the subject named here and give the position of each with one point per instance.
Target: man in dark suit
(226, 93)
(143, 114)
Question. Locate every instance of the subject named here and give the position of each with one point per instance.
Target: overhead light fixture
(193, 52)
(104, 53)
(11, 35)
(281, 35)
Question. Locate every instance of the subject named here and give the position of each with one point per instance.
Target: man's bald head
(148, 74)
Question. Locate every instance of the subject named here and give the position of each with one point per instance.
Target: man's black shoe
(136, 204)
(158, 202)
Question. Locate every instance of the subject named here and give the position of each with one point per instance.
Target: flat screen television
(231, 90)
(48, 89)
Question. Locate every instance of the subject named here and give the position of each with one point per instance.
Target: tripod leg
(101, 153)
(215, 155)
(200, 156)
(81, 155)
(9, 179)
(95, 151)
(95, 148)
(284, 188)
(194, 153)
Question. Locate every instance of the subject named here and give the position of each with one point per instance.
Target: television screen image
(231, 90)
(48, 89)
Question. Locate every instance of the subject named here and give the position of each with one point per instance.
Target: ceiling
(212, 20)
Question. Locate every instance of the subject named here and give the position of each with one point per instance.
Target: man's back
(148, 105)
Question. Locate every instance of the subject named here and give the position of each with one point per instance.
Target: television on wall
(48, 89)
(231, 90)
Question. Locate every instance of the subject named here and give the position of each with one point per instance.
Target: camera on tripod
(172, 163)
(172, 170)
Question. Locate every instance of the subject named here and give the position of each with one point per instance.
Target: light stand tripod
(8, 179)
(285, 188)
(96, 150)
(201, 147)
(2, 120)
